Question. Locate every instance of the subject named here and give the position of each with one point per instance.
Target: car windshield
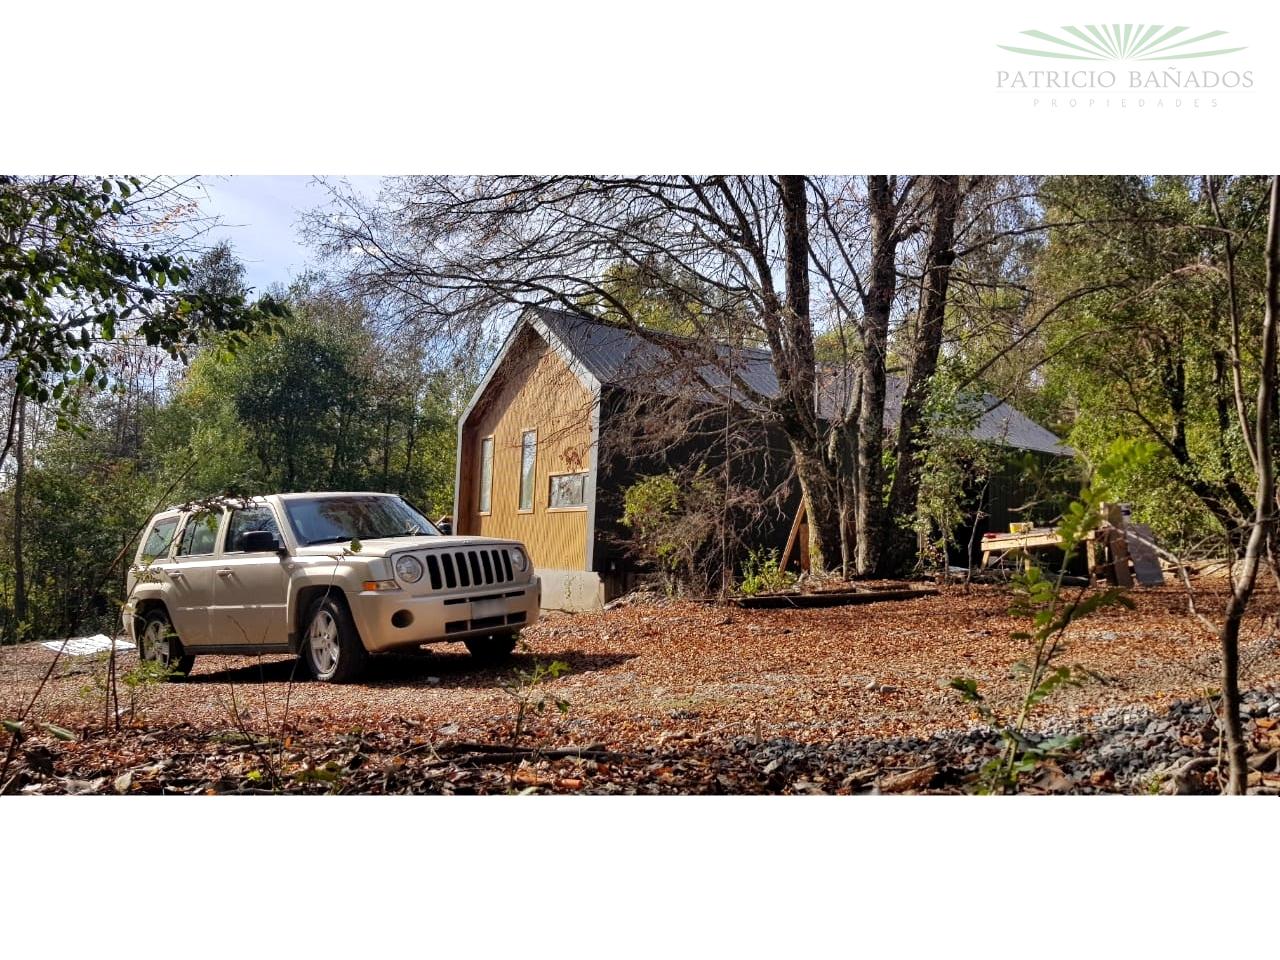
(334, 519)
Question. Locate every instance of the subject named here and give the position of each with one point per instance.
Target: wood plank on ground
(829, 598)
(1142, 551)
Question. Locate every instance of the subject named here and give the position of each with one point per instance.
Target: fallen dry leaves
(656, 693)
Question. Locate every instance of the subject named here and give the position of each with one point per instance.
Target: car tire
(159, 643)
(331, 645)
(493, 649)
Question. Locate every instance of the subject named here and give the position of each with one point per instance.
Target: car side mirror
(445, 528)
(259, 541)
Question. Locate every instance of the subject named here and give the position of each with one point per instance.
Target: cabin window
(528, 461)
(486, 474)
(567, 490)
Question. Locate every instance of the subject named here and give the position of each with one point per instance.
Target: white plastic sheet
(86, 646)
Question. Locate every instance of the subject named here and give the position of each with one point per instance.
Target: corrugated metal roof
(664, 363)
(996, 421)
(656, 361)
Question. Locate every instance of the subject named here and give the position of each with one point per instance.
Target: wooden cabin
(541, 456)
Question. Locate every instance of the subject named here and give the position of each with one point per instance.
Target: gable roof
(655, 361)
(602, 353)
(996, 421)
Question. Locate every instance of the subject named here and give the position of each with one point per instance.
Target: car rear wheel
(495, 648)
(331, 645)
(160, 644)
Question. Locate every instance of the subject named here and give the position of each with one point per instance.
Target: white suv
(332, 577)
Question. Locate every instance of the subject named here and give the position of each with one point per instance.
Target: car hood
(384, 546)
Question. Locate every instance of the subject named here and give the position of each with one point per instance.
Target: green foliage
(310, 402)
(82, 505)
(953, 463)
(140, 682)
(672, 518)
(958, 472)
(76, 273)
(527, 689)
(315, 403)
(1140, 344)
(1051, 612)
(760, 573)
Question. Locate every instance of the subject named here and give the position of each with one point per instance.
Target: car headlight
(518, 560)
(408, 569)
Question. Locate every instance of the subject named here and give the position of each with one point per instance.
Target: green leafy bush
(672, 519)
(760, 573)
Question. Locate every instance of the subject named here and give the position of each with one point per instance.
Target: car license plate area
(482, 609)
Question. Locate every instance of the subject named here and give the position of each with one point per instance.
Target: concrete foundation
(571, 590)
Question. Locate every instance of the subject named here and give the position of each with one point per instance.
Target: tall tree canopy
(1165, 344)
(85, 260)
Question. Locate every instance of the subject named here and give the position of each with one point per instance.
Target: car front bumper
(129, 620)
(396, 620)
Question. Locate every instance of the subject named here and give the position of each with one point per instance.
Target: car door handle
(224, 572)
(176, 574)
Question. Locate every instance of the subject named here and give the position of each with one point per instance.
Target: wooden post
(796, 524)
(1119, 548)
(1093, 557)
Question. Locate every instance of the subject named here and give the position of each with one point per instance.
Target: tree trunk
(818, 488)
(933, 306)
(410, 437)
(841, 455)
(795, 364)
(882, 285)
(19, 491)
(1264, 513)
(386, 448)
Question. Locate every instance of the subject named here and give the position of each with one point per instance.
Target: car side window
(200, 534)
(249, 518)
(159, 539)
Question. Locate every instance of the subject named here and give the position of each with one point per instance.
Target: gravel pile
(1125, 750)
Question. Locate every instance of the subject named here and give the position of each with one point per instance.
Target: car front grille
(468, 567)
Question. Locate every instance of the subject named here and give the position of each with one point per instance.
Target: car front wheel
(331, 646)
(160, 644)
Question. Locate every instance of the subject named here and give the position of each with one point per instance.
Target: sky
(260, 216)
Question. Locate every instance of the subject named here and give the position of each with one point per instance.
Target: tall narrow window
(486, 474)
(528, 460)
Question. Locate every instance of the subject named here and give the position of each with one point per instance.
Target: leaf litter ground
(663, 697)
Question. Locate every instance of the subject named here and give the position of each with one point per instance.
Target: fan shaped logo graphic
(1124, 41)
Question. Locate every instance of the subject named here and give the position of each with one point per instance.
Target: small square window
(568, 490)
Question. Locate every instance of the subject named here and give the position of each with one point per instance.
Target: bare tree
(776, 259)
(946, 200)
(1264, 505)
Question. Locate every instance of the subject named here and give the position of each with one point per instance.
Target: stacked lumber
(1120, 552)
(1129, 551)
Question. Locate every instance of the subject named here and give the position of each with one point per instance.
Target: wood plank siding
(534, 390)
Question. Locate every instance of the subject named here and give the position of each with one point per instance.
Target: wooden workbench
(1041, 538)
